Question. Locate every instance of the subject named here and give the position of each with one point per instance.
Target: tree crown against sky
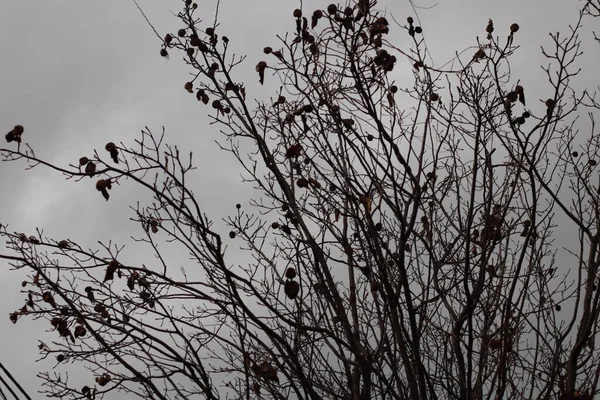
(402, 242)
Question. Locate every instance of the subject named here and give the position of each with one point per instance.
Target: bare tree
(402, 246)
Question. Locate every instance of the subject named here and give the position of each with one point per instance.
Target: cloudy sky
(80, 74)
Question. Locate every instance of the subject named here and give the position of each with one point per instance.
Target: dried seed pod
(111, 268)
(168, 38)
(302, 182)
(79, 331)
(60, 358)
(232, 235)
(90, 168)
(410, 20)
(194, 42)
(164, 53)
(90, 293)
(290, 273)
(514, 28)
(260, 68)
(495, 344)
(47, 297)
(314, 183)
(512, 97)
(114, 152)
(332, 9)
(83, 161)
(297, 13)
(181, 32)
(18, 130)
(550, 103)
(292, 288)
(101, 186)
(314, 20)
(103, 380)
(189, 87)
(63, 244)
(375, 286)
(434, 97)
(418, 30)
(520, 91)
(490, 26)
(293, 151)
(266, 371)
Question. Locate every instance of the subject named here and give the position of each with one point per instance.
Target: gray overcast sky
(79, 74)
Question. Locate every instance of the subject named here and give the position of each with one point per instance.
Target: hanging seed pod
(512, 97)
(302, 182)
(79, 331)
(260, 68)
(90, 168)
(83, 161)
(293, 151)
(514, 28)
(47, 297)
(103, 380)
(290, 273)
(332, 9)
(90, 293)
(292, 288)
(114, 152)
(164, 53)
(101, 186)
(18, 130)
(111, 268)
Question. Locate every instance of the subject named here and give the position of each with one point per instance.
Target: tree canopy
(402, 242)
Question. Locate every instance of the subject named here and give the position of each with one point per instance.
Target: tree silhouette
(402, 245)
